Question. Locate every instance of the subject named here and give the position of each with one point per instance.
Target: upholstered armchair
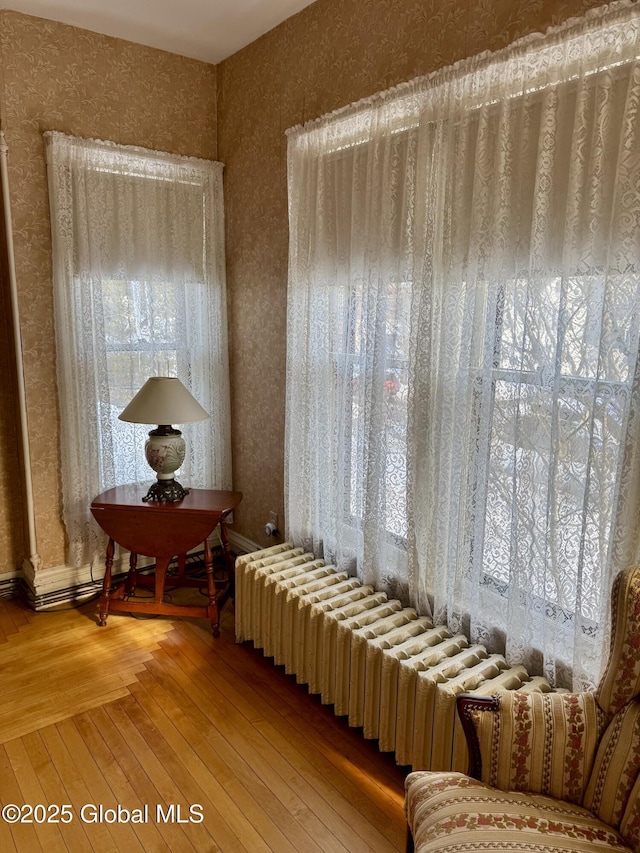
(548, 772)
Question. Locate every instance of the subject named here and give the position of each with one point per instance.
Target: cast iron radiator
(389, 670)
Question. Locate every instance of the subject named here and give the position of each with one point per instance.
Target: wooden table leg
(162, 564)
(133, 572)
(106, 583)
(212, 609)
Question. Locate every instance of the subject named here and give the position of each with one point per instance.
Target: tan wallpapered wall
(332, 53)
(57, 77)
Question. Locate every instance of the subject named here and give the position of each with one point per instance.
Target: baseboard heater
(389, 670)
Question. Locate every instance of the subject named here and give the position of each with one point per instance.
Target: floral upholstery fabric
(630, 825)
(452, 813)
(544, 743)
(616, 766)
(621, 679)
(560, 771)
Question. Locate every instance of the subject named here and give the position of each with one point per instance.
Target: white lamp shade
(163, 400)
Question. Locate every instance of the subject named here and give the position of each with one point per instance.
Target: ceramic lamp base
(165, 449)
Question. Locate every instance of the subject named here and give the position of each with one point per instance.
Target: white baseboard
(43, 581)
(10, 583)
(57, 584)
(240, 544)
(7, 577)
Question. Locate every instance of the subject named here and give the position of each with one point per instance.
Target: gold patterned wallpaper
(330, 54)
(57, 77)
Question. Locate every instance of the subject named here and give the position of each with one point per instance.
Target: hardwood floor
(156, 713)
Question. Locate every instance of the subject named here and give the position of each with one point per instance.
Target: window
(143, 325)
(350, 375)
(558, 414)
(463, 336)
(139, 291)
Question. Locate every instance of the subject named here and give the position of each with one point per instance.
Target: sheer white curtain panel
(139, 291)
(463, 335)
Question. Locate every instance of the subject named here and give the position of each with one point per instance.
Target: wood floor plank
(80, 640)
(6, 837)
(72, 666)
(54, 791)
(32, 793)
(336, 833)
(291, 698)
(64, 688)
(20, 614)
(124, 750)
(319, 768)
(24, 836)
(98, 833)
(197, 772)
(6, 840)
(42, 714)
(251, 792)
(48, 668)
(185, 791)
(157, 712)
(110, 789)
(7, 625)
(256, 753)
(269, 835)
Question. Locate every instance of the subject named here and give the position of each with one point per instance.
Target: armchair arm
(538, 742)
(467, 704)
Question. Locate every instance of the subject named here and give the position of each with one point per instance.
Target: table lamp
(164, 400)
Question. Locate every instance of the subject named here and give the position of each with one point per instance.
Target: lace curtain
(139, 291)
(463, 334)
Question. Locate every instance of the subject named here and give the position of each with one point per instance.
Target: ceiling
(209, 30)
